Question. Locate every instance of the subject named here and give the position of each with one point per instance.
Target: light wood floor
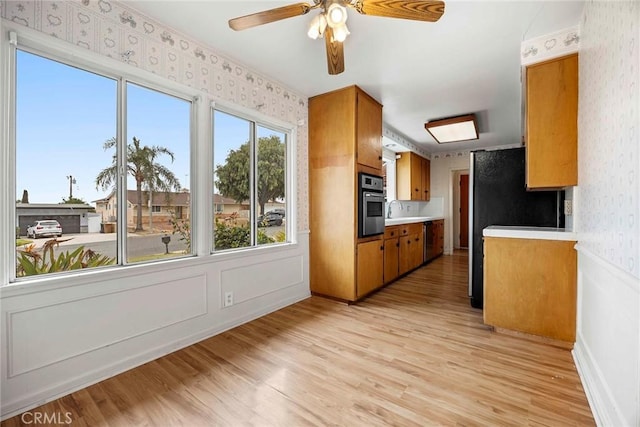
(414, 354)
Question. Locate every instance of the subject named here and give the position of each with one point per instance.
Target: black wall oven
(370, 205)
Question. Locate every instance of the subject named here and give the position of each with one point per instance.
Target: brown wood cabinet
(391, 253)
(552, 123)
(411, 244)
(530, 286)
(413, 177)
(345, 137)
(426, 179)
(438, 236)
(403, 250)
(370, 262)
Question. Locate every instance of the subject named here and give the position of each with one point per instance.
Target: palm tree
(142, 166)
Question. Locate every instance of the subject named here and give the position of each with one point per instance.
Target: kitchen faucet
(389, 207)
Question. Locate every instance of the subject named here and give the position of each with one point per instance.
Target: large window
(249, 183)
(107, 171)
(63, 116)
(68, 158)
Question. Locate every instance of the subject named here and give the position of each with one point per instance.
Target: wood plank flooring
(413, 354)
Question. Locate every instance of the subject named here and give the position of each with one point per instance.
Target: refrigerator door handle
(470, 243)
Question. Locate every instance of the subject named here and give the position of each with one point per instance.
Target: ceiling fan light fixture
(340, 33)
(317, 26)
(336, 15)
(454, 129)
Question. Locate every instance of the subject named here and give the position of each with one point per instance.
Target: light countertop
(541, 233)
(410, 219)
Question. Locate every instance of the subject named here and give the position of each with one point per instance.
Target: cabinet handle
(392, 233)
(397, 245)
(382, 248)
(417, 239)
(379, 157)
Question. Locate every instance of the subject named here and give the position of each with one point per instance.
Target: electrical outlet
(408, 207)
(568, 207)
(228, 299)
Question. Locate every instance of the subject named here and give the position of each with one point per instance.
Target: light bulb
(340, 33)
(317, 26)
(336, 15)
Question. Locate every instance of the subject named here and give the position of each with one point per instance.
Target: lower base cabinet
(391, 258)
(530, 286)
(370, 261)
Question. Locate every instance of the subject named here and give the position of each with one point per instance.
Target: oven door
(372, 214)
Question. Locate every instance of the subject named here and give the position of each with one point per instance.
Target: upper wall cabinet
(552, 123)
(413, 177)
(369, 130)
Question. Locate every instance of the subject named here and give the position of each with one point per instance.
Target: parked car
(269, 219)
(46, 227)
(277, 211)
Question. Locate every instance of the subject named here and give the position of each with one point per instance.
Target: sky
(64, 115)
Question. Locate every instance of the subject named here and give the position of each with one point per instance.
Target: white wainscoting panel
(63, 338)
(607, 349)
(252, 281)
(44, 335)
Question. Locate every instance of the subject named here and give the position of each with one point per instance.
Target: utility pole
(72, 181)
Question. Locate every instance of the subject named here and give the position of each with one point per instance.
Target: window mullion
(121, 182)
(253, 183)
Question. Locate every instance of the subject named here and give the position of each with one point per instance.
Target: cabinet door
(404, 254)
(417, 250)
(416, 177)
(369, 131)
(370, 267)
(426, 179)
(552, 123)
(439, 237)
(391, 257)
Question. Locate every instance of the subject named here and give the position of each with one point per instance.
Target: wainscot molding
(607, 348)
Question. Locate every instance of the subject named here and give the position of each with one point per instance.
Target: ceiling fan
(331, 22)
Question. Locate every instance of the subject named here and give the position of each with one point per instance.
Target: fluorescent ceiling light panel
(462, 128)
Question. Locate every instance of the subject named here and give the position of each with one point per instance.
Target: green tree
(233, 176)
(72, 201)
(142, 166)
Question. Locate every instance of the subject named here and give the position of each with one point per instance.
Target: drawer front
(391, 232)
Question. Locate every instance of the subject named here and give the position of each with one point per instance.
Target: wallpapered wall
(608, 121)
(114, 30)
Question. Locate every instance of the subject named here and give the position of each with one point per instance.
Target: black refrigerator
(498, 196)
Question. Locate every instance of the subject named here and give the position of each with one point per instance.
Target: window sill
(49, 283)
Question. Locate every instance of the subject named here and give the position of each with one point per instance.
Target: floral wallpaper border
(550, 46)
(114, 30)
(394, 135)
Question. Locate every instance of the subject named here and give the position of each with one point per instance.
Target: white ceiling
(467, 62)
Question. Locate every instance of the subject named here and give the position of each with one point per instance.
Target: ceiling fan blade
(335, 53)
(419, 10)
(271, 15)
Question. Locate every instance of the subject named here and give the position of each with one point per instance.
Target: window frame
(258, 119)
(12, 36)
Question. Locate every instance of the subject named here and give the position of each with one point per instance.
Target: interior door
(464, 211)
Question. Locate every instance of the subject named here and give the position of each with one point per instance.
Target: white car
(46, 227)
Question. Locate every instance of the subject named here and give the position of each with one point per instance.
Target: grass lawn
(22, 242)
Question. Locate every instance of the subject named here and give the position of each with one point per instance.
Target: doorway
(460, 208)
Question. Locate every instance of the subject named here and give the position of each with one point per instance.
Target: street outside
(138, 245)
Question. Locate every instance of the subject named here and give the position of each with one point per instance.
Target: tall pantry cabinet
(345, 137)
